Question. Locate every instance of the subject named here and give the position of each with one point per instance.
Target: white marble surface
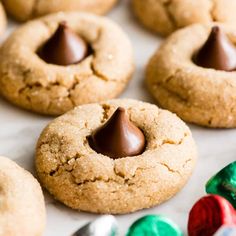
(19, 131)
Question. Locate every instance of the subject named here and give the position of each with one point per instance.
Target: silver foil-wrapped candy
(103, 226)
(226, 230)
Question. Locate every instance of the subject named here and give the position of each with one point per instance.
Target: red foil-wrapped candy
(209, 214)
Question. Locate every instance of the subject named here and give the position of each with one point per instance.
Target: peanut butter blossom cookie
(22, 210)
(54, 63)
(194, 75)
(23, 10)
(166, 16)
(115, 157)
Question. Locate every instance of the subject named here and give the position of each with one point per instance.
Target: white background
(20, 129)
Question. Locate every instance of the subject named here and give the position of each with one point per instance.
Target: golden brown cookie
(86, 180)
(199, 95)
(29, 82)
(165, 16)
(23, 10)
(22, 210)
(3, 19)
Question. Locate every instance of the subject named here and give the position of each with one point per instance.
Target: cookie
(23, 10)
(87, 180)
(100, 72)
(3, 19)
(165, 16)
(200, 95)
(21, 198)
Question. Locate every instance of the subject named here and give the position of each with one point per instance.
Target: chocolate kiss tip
(215, 29)
(63, 24)
(64, 47)
(118, 137)
(217, 53)
(120, 109)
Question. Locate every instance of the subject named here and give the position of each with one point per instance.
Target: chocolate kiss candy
(217, 53)
(152, 225)
(224, 183)
(118, 137)
(64, 47)
(226, 231)
(103, 226)
(209, 214)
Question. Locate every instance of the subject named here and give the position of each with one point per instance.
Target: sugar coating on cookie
(29, 82)
(83, 179)
(22, 210)
(165, 16)
(203, 96)
(23, 10)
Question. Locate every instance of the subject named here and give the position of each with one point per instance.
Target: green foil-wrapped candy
(154, 225)
(224, 183)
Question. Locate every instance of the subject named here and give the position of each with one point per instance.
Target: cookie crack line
(55, 171)
(49, 86)
(105, 108)
(126, 180)
(173, 93)
(55, 83)
(34, 8)
(171, 142)
(169, 169)
(164, 83)
(93, 72)
(64, 165)
(98, 74)
(166, 5)
(211, 13)
(101, 76)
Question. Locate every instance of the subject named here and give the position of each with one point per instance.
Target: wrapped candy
(209, 214)
(152, 225)
(103, 226)
(226, 231)
(224, 183)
